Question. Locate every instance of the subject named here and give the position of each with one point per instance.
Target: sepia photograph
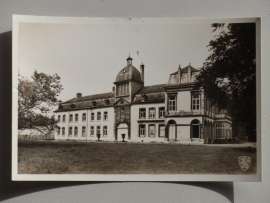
(136, 99)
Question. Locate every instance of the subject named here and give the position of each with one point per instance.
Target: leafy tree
(36, 98)
(229, 75)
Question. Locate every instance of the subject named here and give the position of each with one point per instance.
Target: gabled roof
(185, 70)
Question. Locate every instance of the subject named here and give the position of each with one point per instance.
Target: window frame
(63, 131)
(163, 112)
(92, 116)
(105, 131)
(64, 118)
(84, 117)
(172, 103)
(75, 131)
(92, 130)
(149, 126)
(159, 134)
(197, 102)
(154, 110)
(142, 126)
(70, 130)
(76, 118)
(140, 113)
(83, 131)
(71, 118)
(98, 116)
(105, 116)
(98, 130)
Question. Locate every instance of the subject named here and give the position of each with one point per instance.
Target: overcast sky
(88, 57)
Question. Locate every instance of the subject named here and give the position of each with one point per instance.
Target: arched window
(83, 132)
(105, 116)
(84, 117)
(71, 118)
(92, 116)
(195, 129)
(105, 131)
(76, 117)
(76, 131)
(98, 116)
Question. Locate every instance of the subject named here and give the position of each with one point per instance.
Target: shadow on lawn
(10, 189)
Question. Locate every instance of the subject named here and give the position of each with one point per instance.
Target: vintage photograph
(111, 97)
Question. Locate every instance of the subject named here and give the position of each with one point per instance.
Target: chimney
(112, 89)
(78, 95)
(142, 72)
(189, 73)
(179, 74)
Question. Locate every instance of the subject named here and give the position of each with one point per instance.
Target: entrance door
(171, 131)
(122, 129)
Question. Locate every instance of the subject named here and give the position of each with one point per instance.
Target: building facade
(172, 112)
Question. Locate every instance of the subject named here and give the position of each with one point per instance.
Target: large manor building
(172, 112)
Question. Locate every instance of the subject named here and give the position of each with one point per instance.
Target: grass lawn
(49, 157)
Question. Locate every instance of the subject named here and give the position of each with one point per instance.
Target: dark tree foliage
(229, 75)
(36, 99)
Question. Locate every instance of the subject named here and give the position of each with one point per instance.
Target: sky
(88, 57)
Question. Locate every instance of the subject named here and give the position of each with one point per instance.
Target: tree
(229, 75)
(36, 99)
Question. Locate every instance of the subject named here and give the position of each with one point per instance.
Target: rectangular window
(83, 132)
(195, 102)
(142, 113)
(161, 131)
(84, 117)
(70, 118)
(161, 112)
(172, 103)
(92, 116)
(98, 116)
(63, 131)
(70, 131)
(76, 131)
(105, 131)
(76, 117)
(105, 116)
(151, 131)
(122, 112)
(92, 133)
(58, 131)
(64, 118)
(142, 130)
(152, 113)
(122, 89)
(59, 118)
(98, 130)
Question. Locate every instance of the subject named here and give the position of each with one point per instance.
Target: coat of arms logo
(244, 162)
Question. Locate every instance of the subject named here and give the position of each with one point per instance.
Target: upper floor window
(104, 130)
(196, 102)
(152, 113)
(161, 112)
(142, 113)
(122, 112)
(122, 89)
(172, 103)
(70, 118)
(84, 117)
(98, 116)
(63, 131)
(83, 132)
(92, 116)
(105, 116)
(64, 118)
(76, 117)
(59, 118)
(76, 131)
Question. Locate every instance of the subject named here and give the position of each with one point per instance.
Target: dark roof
(150, 94)
(91, 98)
(128, 73)
(185, 70)
(152, 89)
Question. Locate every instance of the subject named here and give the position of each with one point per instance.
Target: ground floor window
(70, 131)
(58, 131)
(223, 130)
(76, 131)
(98, 130)
(105, 131)
(151, 130)
(142, 130)
(92, 133)
(161, 130)
(83, 132)
(63, 131)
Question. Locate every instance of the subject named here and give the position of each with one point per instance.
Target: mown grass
(45, 157)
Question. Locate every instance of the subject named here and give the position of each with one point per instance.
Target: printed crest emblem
(244, 162)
